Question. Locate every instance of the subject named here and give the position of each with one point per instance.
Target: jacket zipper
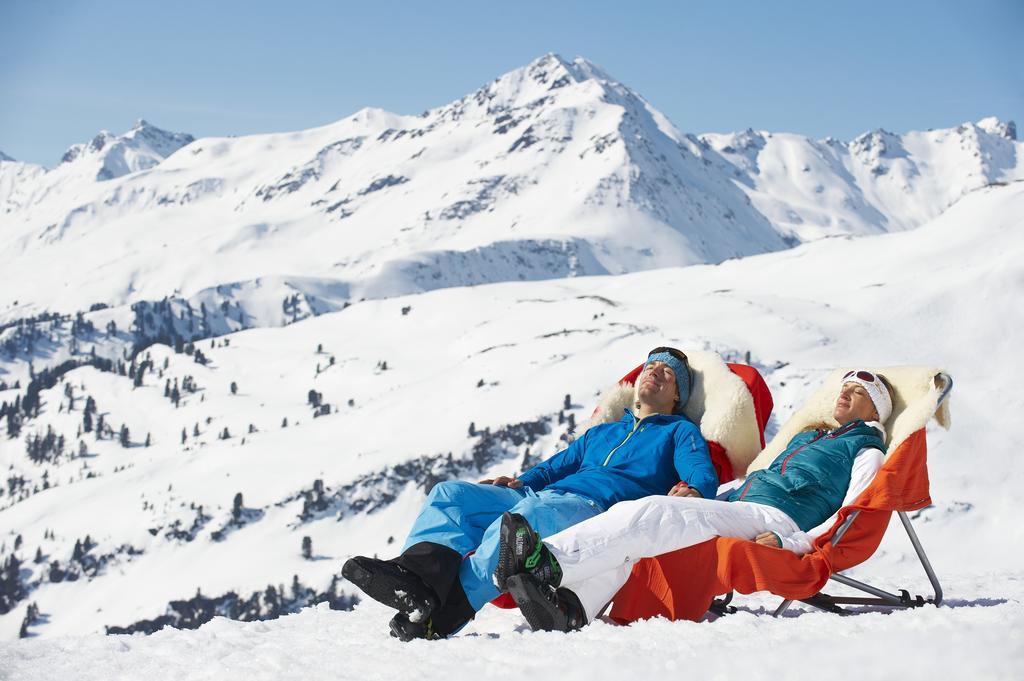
(782, 468)
(746, 489)
(837, 433)
(608, 458)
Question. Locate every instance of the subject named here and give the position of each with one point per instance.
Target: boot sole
(540, 613)
(389, 590)
(404, 630)
(506, 553)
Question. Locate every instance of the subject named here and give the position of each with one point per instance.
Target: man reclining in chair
(565, 580)
(436, 592)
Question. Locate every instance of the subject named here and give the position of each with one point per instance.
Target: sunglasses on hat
(862, 375)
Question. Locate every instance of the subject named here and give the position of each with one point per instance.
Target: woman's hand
(768, 539)
(503, 481)
(681, 489)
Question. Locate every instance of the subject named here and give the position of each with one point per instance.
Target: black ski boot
(392, 585)
(406, 630)
(545, 607)
(450, 617)
(520, 550)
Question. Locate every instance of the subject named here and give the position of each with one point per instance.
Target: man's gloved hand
(681, 489)
(504, 481)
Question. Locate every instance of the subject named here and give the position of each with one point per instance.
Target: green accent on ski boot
(533, 558)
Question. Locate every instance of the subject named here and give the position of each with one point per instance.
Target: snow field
(318, 643)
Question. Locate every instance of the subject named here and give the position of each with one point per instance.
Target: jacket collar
(856, 425)
(630, 418)
(877, 426)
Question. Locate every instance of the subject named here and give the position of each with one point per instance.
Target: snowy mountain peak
(993, 126)
(142, 147)
(878, 144)
(539, 80)
(552, 67)
(746, 143)
(5, 157)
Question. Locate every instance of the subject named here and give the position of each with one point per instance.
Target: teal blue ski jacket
(629, 459)
(809, 479)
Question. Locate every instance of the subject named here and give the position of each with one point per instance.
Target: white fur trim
(719, 402)
(915, 397)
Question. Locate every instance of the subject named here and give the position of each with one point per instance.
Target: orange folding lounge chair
(685, 583)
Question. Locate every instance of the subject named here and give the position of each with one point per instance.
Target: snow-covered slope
(466, 381)
(879, 182)
(13, 175)
(141, 148)
(31, 193)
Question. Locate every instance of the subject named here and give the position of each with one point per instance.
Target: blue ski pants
(466, 516)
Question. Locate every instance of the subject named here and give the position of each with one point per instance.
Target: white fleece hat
(876, 390)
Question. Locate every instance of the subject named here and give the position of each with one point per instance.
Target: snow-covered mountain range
(552, 170)
(212, 349)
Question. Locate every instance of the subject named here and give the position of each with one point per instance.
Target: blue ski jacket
(809, 479)
(629, 459)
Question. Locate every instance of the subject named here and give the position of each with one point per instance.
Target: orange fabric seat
(682, 584)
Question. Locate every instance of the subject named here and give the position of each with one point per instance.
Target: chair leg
(892, 599)
(903, 600)
(936, 587)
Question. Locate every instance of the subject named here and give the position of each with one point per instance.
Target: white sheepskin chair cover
(915, 399)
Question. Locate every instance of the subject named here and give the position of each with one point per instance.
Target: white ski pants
(597, 555)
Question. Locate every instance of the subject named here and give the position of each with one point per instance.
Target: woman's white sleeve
(865, 466)
(798, 542)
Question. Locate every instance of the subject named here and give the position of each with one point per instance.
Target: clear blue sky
(824, 67)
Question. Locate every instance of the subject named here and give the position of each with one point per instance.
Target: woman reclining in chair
(564, 581)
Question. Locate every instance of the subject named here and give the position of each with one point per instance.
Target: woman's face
(853, 403)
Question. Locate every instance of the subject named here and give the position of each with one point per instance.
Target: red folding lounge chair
(730, 402)
(683, 584)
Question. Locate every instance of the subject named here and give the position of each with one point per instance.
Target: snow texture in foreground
(322, 644)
